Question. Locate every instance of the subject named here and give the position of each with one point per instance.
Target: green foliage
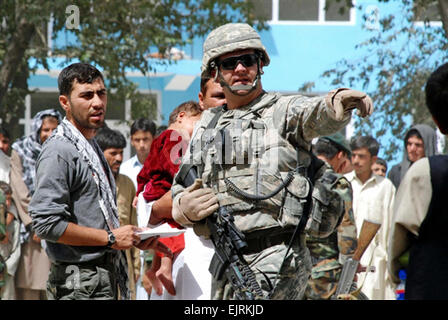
(116, 35)
(400, 56)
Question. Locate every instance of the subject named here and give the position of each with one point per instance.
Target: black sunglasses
(247, 60)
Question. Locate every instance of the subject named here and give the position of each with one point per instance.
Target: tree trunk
(15, 104)
(15, 52)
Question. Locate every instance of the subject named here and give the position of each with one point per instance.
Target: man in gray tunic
(74, 205)
(252, 158)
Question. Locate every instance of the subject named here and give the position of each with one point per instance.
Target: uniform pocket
(295, 197)
(327, 208)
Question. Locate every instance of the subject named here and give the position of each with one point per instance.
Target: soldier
(329, 254)
(252, 156)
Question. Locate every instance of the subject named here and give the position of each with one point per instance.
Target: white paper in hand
(163, 231)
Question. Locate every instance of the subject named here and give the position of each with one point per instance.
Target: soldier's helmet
(228, 38)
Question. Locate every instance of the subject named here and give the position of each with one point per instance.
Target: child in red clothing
(155, 180)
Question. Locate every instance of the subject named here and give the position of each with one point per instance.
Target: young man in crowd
(74, 205)
(420, 141)
(143, 132)
(373, 199)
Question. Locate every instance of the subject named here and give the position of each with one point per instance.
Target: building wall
(300, 52)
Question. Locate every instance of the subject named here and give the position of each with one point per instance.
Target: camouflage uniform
(266, 142)
(329, 254)
(269, 132)
(2, 236)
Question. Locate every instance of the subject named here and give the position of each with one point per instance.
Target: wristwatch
(110, 239)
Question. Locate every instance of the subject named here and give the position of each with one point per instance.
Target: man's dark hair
(191, 107)
(204, 80)
(4, 132)
(108, 138)
(381, 162)
(82, 72)
(368, 142)
(412, 133)
(436, 91)
(325, 147)
(144, 124)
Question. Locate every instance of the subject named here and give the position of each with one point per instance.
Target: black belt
(105, 260)
(264, 241)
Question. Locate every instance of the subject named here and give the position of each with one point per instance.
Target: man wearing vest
(252, 156)
(420, 219)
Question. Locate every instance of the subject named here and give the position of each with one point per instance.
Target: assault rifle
(368, 232)
(228, 241)
(347, 276)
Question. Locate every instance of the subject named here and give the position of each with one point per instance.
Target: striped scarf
(93, 156)
(29, 147)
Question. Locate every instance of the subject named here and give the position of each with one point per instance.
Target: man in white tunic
(373, 198)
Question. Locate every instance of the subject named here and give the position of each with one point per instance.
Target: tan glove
(194, 204)
(344, 99)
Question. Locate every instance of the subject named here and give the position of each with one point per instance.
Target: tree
(400, 56)
(117, 35)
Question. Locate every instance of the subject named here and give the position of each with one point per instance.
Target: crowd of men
(268, 200)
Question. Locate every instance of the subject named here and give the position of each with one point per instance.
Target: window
(427, 13)
(263, 9)
(336, 11)
(305, 11)
(298, 10)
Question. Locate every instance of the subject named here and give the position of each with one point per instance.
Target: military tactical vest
(251, 152)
